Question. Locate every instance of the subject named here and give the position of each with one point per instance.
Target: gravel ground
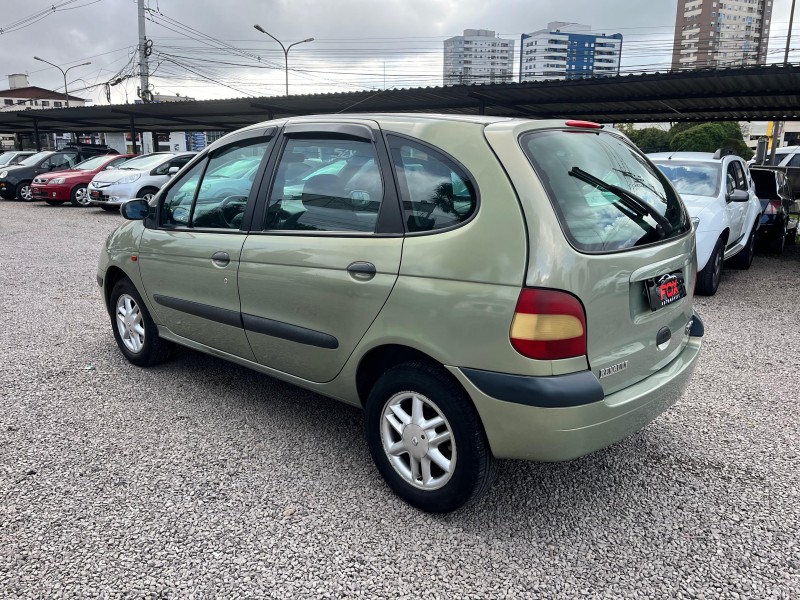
(201, 479)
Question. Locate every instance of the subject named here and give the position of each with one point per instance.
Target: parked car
(720, 195)
(140, 177)
(777, 202)
(70, 185)
(485, 288)
(15, 181)
(8, 159)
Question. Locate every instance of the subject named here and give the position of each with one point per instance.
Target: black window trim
(390, 214)
(403, 187)
(550, 194)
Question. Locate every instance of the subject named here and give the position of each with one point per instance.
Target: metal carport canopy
(740, 94)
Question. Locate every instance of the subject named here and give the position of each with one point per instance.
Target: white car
(788, 156)
(720, 195)
(140, 177)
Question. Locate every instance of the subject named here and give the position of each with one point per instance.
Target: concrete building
(710, 33)
(568, 51)
(21, 95)
(478, 56)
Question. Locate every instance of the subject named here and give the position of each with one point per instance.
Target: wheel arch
(141, 192)
(113, 275)
(380, 359)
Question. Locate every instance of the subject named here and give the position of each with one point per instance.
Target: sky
(209, 49)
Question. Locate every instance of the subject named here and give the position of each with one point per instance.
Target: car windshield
(90, 164)
(35, 158)
(6, 157)
(606, 194)
(693, 177)
(145, 162)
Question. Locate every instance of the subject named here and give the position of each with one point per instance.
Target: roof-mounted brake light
(584, 124)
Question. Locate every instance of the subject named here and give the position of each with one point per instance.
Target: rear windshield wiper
(628, 198)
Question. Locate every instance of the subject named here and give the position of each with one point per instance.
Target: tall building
(568, 51)
(709, 33)
(478, 56)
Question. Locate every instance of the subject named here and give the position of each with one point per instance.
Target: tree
(648, 139)
(709, 137)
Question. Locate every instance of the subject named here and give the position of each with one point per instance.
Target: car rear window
(606, 194)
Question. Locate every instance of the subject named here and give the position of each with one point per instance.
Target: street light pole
(285, 51)
(64, 73)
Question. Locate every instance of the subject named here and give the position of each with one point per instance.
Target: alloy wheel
(129, 323)
(25, 193)
(82, 196)
(418, 440)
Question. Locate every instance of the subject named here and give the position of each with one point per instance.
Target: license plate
(664, 290)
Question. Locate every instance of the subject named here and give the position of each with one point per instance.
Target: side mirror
(738, 196)
(173, 170)
(135, 210)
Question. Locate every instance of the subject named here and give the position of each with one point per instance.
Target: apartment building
(478, 56)
(710, 33)
(568, 51)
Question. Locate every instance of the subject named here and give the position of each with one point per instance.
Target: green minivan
(485, 288)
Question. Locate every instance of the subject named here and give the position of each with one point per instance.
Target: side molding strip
(286, 331)
(204, 311)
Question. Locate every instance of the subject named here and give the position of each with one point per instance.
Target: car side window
(58, 161)
(326, 185)
(213, 193)
(730, 179)
(436, 193)
(176, 208)
(222, 198)
(741, 178)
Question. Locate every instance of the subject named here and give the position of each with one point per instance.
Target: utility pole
(144, 71)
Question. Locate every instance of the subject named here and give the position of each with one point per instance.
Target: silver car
(140, 177)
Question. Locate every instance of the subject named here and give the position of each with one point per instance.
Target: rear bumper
(522, 430)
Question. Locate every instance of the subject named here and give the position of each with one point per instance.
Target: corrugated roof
(740, 94)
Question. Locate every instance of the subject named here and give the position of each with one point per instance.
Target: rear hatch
(626, 248)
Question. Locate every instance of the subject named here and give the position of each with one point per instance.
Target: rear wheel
(427, 440)
(79, 196)
(708, 278)
(744, 258)
(134, 330)
(24, 191)
(776, 244)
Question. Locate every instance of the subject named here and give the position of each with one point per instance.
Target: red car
(70, 185)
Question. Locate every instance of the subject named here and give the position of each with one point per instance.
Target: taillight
(548, 325)
(773, 207)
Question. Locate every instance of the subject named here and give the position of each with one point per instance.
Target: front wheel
(80, 196)
(24, 192)
(147, 193)
(708, 278)
(134, 330)
(427, 440)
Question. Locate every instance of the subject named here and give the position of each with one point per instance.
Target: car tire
(147, 193)
(744, 258)
(110, 208)
(416, 400)
(79, 196)
(708, 279)
(134, 330)
(776, 244)
(53, 202)
(24, 192)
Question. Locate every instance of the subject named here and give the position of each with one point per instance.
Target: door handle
(361, 271)
(221, 259)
